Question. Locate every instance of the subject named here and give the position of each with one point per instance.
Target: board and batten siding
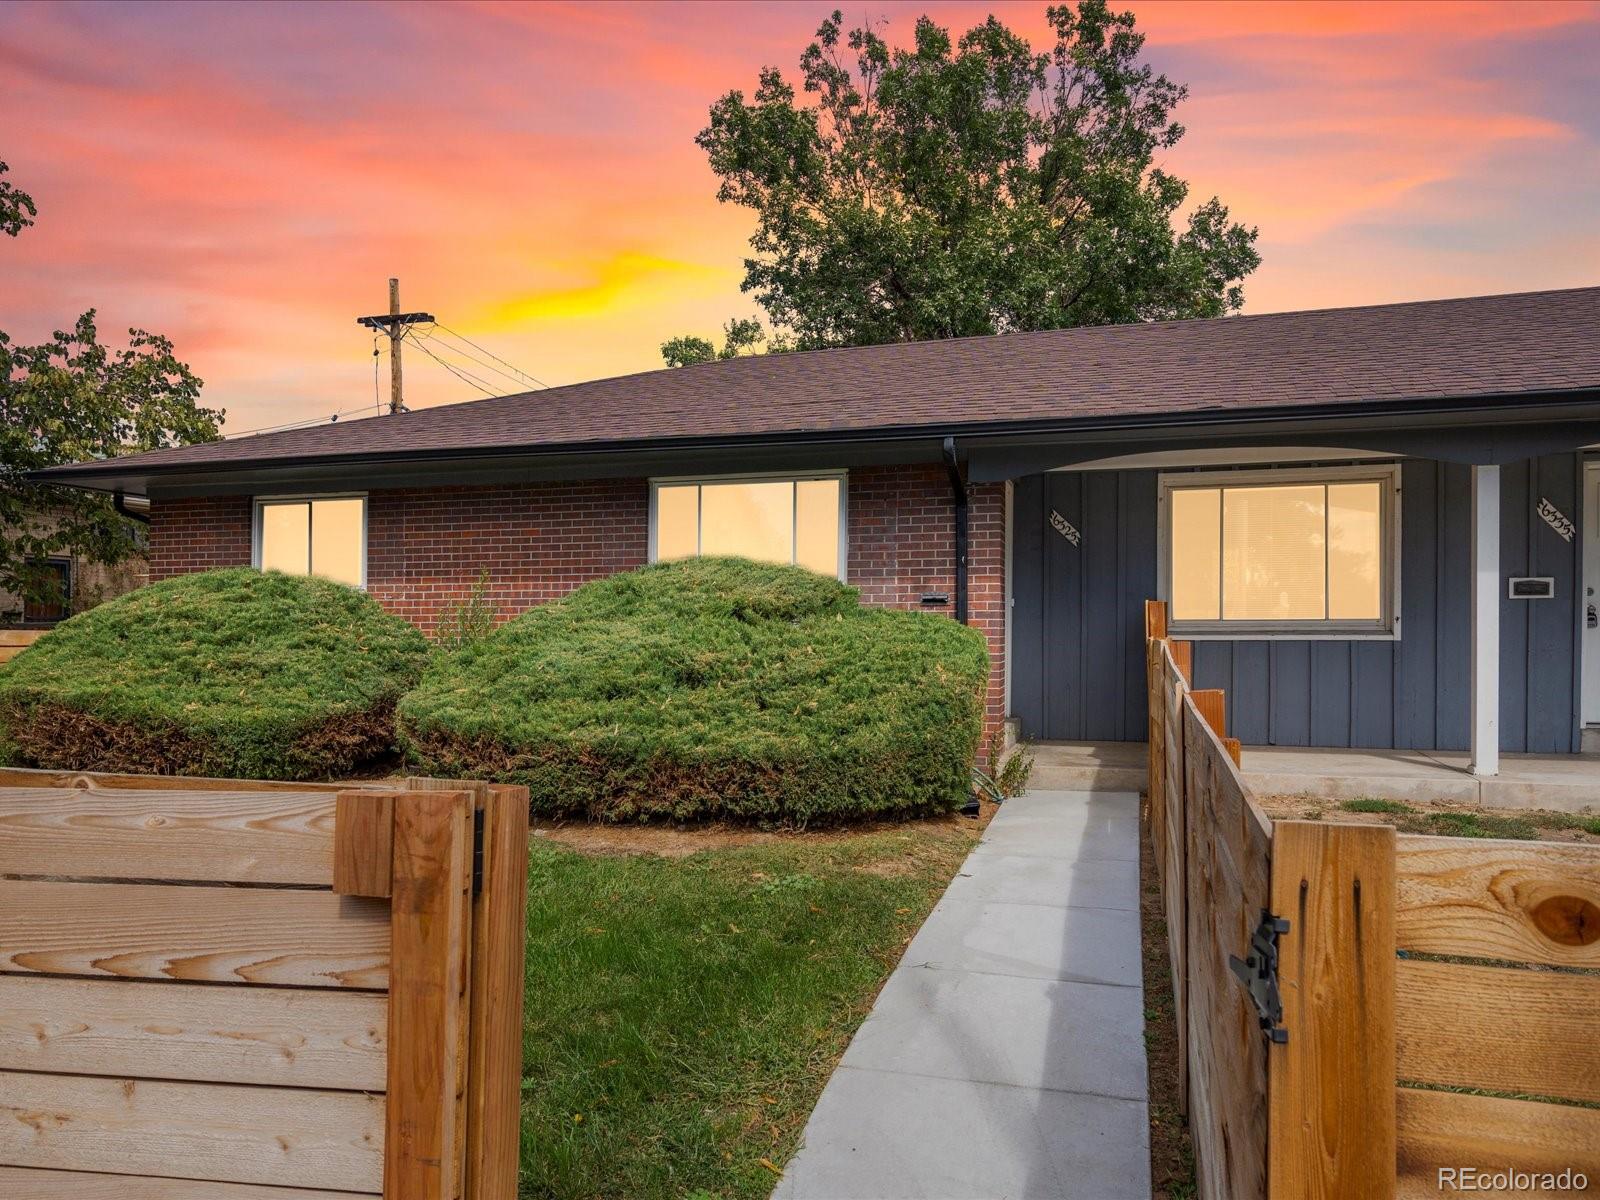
(1077, 643)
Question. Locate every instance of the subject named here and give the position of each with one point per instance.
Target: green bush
(711, 688)
(234, 672)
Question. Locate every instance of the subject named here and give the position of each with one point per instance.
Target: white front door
(1591, 594)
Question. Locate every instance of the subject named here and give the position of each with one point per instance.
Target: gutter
(81, 474)
(958, 488)
(119, 501)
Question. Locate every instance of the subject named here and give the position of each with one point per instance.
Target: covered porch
(1420, 588)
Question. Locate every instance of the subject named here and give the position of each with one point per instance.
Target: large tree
(956, 188)
(70, 399)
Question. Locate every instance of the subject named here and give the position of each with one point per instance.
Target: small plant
(1372, 804)
(470, 620)
(1013, 775)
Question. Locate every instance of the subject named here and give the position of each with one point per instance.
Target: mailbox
(1531, 587)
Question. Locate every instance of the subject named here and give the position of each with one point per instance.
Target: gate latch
(1259, 974)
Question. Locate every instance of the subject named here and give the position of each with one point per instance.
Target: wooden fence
(14, 641)
(1386, 1058)
(218, 990)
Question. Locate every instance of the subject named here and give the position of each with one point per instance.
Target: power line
(515, 381)
(516, 371)
(462, 374)
(305, 424)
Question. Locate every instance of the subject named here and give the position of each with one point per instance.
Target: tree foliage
(71, 399)
(16, 207)
(969, 187)
(68, 400)
(739, 336)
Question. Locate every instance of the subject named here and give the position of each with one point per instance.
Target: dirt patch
(1440, 818)
(1171, 1151)
(680, 841)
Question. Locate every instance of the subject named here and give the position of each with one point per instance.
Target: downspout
(958, 487)
(120, 503)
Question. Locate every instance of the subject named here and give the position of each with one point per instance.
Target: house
(81, 581)
(1378, 525)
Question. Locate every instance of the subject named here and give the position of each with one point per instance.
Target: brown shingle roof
(1458, 349)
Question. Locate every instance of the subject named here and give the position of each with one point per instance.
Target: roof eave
(1577, 404)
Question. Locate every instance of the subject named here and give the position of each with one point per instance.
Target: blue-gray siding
(1077, 660)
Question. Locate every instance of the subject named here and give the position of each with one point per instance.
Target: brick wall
(197, 535)
(426, 547)
(902, 546)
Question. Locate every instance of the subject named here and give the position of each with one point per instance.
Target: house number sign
(1065, 528)
(1556, 519)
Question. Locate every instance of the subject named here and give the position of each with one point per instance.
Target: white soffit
(1226, 457)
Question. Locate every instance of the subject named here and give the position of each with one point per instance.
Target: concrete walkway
(1005, 1057)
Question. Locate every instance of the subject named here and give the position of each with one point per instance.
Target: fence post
(1331, 1087)
(1155, 620)
(1212, 705)
(1183, 659)
(430, 914)
(499, 928)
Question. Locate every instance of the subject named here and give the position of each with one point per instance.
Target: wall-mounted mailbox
(1531, 587)
(931, 599)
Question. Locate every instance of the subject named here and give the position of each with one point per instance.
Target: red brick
(427, 547)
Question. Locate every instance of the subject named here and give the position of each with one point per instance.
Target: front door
(1591, 594)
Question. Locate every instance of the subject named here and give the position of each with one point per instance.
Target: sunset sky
(245, 179)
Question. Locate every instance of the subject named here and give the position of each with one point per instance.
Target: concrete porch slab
(1088, 766)
(1564, 782)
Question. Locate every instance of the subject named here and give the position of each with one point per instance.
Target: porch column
(1485, 620)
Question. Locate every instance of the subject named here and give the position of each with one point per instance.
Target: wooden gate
(236, 991)
(1437, 996)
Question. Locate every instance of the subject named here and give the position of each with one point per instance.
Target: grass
(1516, 825)
(684, 1014)
(1372, 804)
(711, 687)
(234, 672)
(1471, 825)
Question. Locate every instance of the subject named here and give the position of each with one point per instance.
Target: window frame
(842, 476)
(1385, 628)
(55, 560)
(261, 502)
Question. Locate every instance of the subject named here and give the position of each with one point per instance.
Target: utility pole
(395, 323)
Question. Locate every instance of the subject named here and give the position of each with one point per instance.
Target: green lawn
(684, 1014)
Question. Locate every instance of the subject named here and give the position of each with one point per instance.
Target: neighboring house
(1364, 518)
(83, 583)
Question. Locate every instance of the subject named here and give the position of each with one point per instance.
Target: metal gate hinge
(1259, 974)
(477, 851)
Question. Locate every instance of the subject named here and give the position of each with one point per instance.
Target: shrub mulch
(1172, 1175)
